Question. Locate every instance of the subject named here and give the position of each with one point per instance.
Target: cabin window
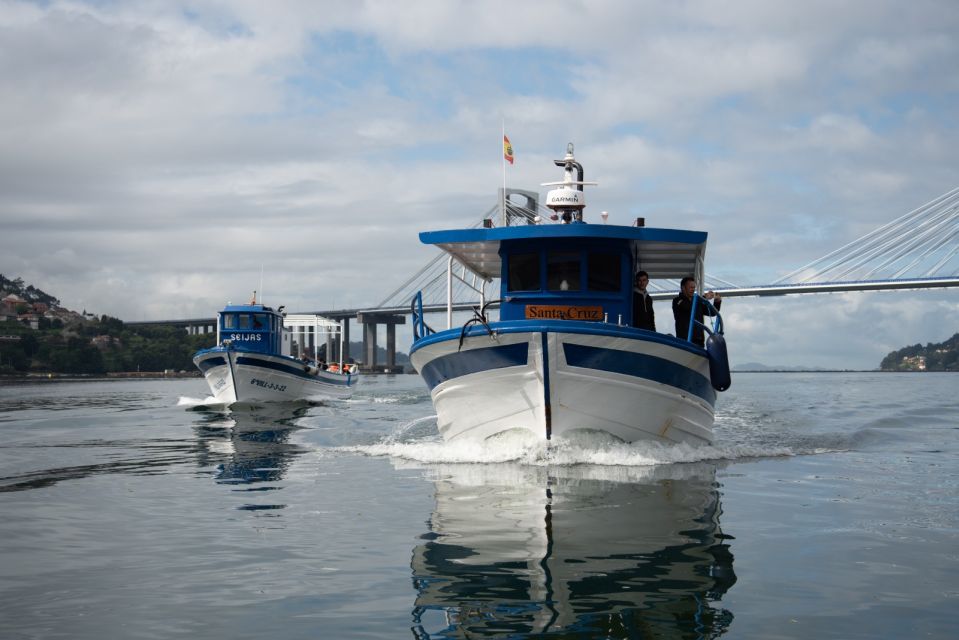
(229, 321)
(562, 271)
(603, 271)
(261, 321)
(524, 272)
(244, 321)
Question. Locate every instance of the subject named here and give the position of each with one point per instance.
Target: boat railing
(479, 317)
(466, 277)
(711, 311)
(420, 328)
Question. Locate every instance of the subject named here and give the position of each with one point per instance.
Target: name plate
(562, 312)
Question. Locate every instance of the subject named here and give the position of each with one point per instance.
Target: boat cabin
(575, 271)
(253, 327)
(565, 280)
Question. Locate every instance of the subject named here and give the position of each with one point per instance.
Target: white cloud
(834, 133)
(153, 156)
(841, 331)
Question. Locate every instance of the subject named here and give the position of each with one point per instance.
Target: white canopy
(310, 322)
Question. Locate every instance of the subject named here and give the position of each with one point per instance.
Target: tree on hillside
(75, 355)
(943, 356)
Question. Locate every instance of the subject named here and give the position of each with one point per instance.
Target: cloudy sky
(157, 156)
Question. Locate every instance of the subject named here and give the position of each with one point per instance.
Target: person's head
(642, 280)
(687, 286)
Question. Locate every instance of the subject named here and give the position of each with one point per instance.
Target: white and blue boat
(253, 360)
(563, 358)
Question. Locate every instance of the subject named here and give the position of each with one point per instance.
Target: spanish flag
(507, 150)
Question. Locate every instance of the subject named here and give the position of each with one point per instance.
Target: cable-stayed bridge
(915, 251)
(918, 250)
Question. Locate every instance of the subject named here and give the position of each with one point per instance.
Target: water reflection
(575, 551)
(249, 445)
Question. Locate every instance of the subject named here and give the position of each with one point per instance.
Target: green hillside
(27, 292)
(943, 356)
(57, 340)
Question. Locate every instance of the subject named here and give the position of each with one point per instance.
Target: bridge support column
(369, 345)
(371, 322)
(525, 211)
(391, 347)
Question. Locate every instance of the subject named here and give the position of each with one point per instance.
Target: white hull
(636, 386)
(242, 376)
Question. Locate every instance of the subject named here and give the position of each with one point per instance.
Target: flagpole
(503, 160)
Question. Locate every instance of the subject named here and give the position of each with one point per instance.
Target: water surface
(828, 507)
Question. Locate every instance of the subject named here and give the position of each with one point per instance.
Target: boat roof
(308, 320)
(248, 308)
(663, 253)
(290, 320)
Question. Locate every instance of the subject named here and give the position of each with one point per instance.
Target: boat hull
(560, 379)
(243, 376)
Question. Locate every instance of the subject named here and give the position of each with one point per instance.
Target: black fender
(718, 362)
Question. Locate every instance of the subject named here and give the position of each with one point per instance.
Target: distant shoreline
(832, 371)
(160, 375)
(809, 371)
(120, 375)
(124, 375)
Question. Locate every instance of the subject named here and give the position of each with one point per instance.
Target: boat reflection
(581, 551)
(250, 444)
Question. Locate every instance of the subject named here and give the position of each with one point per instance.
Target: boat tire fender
(718, 362)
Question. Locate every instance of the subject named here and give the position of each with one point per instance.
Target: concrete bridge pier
(369, 345)
(199, 328)
(371, 322)
(524, 211)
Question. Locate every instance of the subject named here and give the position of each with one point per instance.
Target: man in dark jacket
(683, 307)
(643, 317)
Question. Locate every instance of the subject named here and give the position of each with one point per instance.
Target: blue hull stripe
(209, 363)
(289, 370)
(640, 365)
(464, 363)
